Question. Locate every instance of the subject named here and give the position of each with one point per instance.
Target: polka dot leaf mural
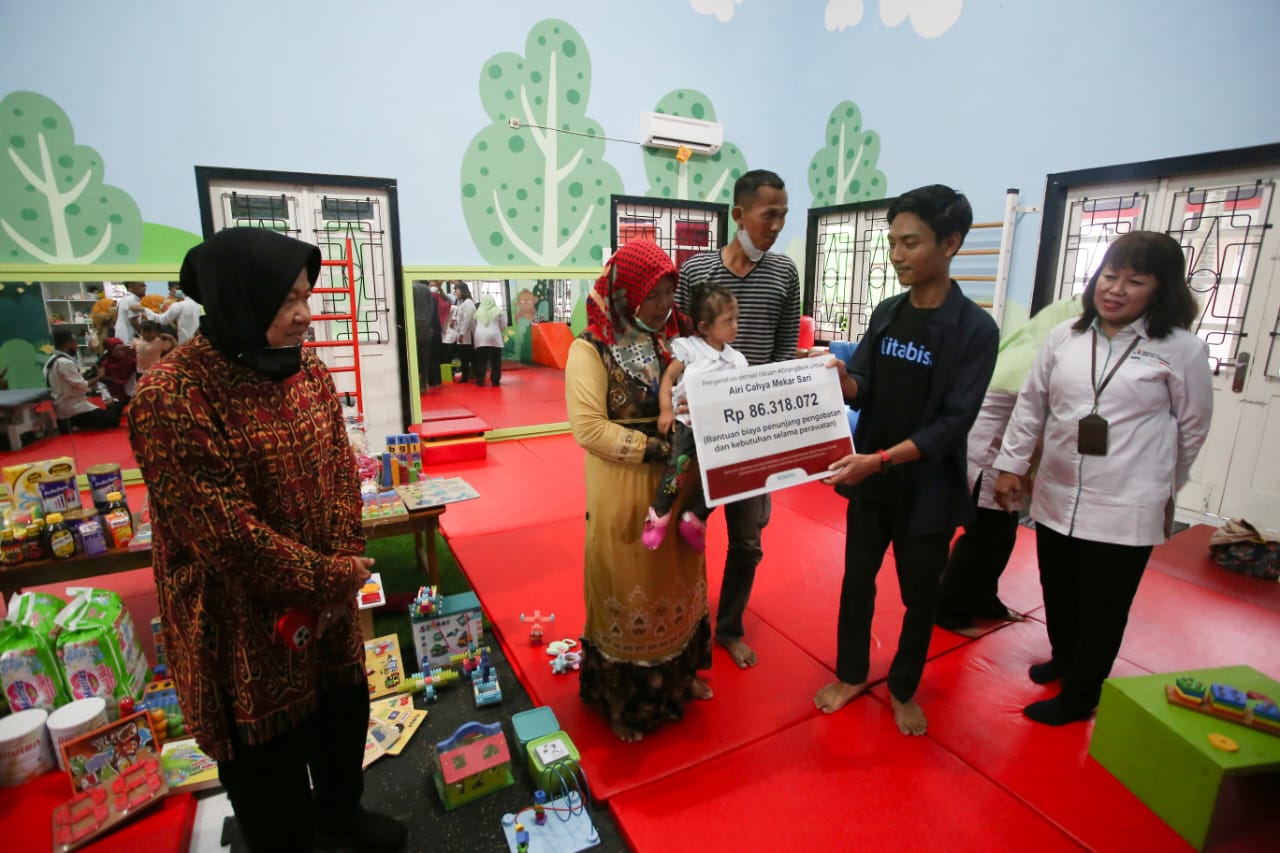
(844, 168)
(539, 193)
(702, 178)
(54, 206)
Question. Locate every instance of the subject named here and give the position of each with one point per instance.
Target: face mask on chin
(744, 240)
(642, 324)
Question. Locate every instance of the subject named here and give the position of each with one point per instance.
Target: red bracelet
(885, 461)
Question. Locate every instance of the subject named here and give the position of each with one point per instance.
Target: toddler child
(714, 312)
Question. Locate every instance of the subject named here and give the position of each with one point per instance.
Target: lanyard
(1093, 368)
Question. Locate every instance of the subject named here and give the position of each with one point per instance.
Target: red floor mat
(517, 489)
(816, 502)
(529, 394)
(1175, 625)
(845, 782)
(797, 589)
(748, 704)
(1186, 557)
(561, 452)
(974, 699)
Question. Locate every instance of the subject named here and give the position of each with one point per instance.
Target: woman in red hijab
(647, 634)
(119, 369)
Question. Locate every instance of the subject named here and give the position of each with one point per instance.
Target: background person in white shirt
(129, 311)
(1122, 399)
(181, 313)
(68, 387)
(714, 312)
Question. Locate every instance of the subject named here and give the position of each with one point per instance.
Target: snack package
(23, 483)
(99, 649)
(30, 674)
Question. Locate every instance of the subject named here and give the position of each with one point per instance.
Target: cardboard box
(22, 483)
(454, 625)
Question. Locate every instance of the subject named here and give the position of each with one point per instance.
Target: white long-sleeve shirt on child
(699, 357)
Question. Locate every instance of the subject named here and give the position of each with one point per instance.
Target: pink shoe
(655, 528)
(694, 531)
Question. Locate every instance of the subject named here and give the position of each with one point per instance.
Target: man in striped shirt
(767, 287)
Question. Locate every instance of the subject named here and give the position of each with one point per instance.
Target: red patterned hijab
(627, 279)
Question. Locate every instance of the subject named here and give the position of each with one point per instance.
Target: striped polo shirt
(768, 302)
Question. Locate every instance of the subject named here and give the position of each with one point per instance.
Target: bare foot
(700, 689)
(741, 653)
(626, 733)
(836, 695)
(909, 716)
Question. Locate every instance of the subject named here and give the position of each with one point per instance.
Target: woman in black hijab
(257, 544)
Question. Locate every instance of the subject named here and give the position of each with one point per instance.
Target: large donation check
(760, 429)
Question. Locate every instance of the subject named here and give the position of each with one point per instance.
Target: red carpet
(845, 782)
(1186, 557)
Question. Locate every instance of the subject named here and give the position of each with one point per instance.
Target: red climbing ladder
(349, 274)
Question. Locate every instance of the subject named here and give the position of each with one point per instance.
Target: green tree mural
(54, 206)
(844, 169)
(701, 178)
(539, 193)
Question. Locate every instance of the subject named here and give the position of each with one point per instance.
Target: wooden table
(423, 524)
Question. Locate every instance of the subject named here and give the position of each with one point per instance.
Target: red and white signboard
(760, 429)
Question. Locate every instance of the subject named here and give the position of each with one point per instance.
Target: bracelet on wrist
(885, 460)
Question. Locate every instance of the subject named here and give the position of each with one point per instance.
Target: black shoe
(366, 831)
(1056, 712)
(1046, 671)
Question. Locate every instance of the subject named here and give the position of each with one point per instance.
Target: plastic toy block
(537, 623)
(484, 682)
(533, 724)
(473, 762)
(568, 829)
(553, 762)
(1190, 689)
(94, 812)
(1227, 700)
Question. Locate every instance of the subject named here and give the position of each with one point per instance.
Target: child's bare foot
(626, 733)
(836, 695)
(741, 653)
(701, 690)
(909, 716)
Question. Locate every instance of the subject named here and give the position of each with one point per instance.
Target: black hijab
(241, 276)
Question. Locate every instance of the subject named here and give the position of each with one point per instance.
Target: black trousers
(488, 359)
(1088, 589)
(428, 359)
(971, 581)
(267, 784)
(108, 418)
(745, 521)
(920, 559)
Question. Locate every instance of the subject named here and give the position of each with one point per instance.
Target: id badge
(1092, 437)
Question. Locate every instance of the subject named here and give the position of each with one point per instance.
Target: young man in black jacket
(918, 377)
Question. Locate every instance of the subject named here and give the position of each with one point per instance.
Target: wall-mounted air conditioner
(660, 130)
